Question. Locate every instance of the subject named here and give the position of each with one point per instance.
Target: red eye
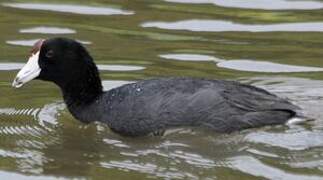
(49, 54)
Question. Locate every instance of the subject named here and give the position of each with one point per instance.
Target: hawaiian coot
(152, 105)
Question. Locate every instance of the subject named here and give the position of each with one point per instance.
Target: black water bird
(153, 105)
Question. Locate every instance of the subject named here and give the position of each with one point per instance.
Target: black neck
(82, 91)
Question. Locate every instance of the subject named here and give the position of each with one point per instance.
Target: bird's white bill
(29, 72)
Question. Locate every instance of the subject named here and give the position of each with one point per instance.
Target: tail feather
(258, 119)
(298, 120)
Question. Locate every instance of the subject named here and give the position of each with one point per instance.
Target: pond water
(276, 45)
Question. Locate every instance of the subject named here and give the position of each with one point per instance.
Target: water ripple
(264, 66)
(193, 159)
(12, 175)
(201, 25)
(243, 65)
(48, 30)
(148, 168)
(291, 141)
(189, 57)
(255, 167)
(110, 84)
(69, 8)
(13, 111)
(49, 113)
(259, 4)
(31, 42)
(46, 118)
(115, 143)
(114, 67)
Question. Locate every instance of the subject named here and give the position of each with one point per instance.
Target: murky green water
(274, 44)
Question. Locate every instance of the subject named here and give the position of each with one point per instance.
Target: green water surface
(39, 139)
